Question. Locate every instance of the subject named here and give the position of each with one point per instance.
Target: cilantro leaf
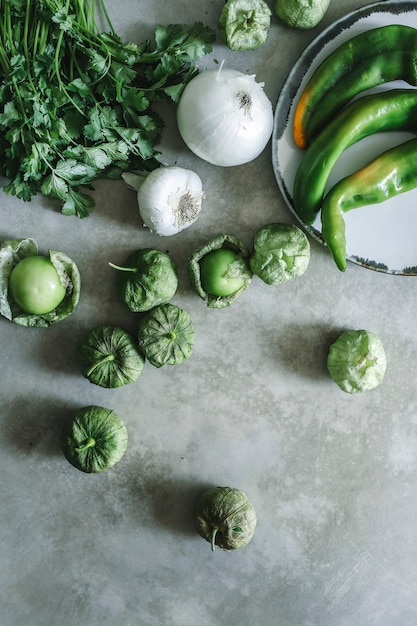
(192, 43)
(77, 103)
(78, 204)
(74, 171)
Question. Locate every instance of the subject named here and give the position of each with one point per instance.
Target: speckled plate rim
(386, 251)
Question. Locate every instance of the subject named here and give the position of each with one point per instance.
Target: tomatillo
(220, 266)
(218, 272)
(35, 285)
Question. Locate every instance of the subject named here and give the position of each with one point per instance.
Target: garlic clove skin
(170, 199)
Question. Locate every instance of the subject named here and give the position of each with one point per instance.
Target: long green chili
(390, 174)
(391, 110)
(371, 58)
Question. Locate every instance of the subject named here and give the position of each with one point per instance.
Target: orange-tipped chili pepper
(392, 173)
(391, 110)
(366, 60)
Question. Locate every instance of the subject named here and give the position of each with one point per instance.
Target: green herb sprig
(76, 104)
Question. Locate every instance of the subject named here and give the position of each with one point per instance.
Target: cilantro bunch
(76, 103)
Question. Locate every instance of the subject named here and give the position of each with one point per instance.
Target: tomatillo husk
(109, 356)
(356, 361)
(244, 24)
(94, 440)
(166, 335)
(281, 253)
(225, 517)
(243, 270)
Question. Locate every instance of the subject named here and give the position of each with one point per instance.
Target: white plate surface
(381, 237)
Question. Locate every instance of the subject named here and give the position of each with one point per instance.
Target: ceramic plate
(381, 237)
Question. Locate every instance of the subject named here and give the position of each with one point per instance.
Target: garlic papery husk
(225, 117)
(170, 198)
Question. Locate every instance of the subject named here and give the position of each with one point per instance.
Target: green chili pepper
(384, 111)
(390, 174)
(369, 59)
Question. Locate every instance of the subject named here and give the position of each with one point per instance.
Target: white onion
(169, 198)
(225, 117)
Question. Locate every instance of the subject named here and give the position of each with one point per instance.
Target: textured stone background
(332, 477)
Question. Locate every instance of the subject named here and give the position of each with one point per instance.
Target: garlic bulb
(169, 198)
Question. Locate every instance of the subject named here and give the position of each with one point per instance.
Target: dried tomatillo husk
(281, 252)
(109, 356)
(146, 279)
(94, 440)
(356, 361)
(241, 269)
(244, 24)
(166, 335)
(225, 517)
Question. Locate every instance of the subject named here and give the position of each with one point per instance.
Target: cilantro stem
(26, 30)
(11, 38)
(76, 103)
(25, 43)
(107, 18)
(4, 61)
(81, 15)
(19, 100)
(43, 39)
(58, 48)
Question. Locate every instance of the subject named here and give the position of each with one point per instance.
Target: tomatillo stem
(108, 358)
(123, 269)
(89, 443)
(213, 539)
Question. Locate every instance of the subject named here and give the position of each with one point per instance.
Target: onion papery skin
(215, 126)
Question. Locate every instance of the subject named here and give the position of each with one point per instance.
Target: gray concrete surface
(332, 476)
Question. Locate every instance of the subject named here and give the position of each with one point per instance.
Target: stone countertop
(332, 476)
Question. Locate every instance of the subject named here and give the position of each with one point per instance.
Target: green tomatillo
(281, 253)
(166, 335)
(35, 285)
(225, 517)
(146, 279)
(220, 273)
(36, 290)
(219, 270)
(109, 357)
(244, 24)
(302, 14)
(94, 440)
(356, 361)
